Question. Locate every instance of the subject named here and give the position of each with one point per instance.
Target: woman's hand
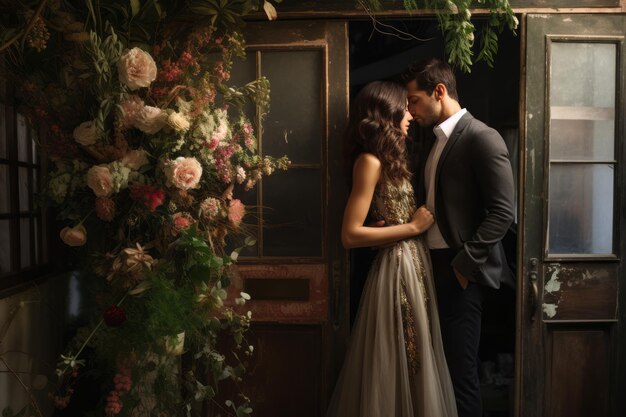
(422, 219)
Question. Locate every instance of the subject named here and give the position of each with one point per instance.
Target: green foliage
(454, 18)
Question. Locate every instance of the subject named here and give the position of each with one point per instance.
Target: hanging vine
(455, 21)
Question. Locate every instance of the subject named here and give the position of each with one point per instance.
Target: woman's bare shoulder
(367, 161)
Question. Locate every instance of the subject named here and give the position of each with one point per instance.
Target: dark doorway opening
(492, 96)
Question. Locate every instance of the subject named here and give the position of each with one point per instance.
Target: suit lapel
(454, 137)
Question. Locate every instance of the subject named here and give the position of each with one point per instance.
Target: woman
(395, 364)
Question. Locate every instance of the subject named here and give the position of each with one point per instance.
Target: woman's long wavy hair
(374, 127)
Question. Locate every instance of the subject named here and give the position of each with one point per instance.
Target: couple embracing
(414, 345)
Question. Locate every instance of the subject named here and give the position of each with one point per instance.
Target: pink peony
(74, 236)
(99, 179)
(236, 211)
(105, 209)
(183, 173)
(136, 69)
(150, 119)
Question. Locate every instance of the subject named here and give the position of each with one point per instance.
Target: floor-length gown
(395, 364)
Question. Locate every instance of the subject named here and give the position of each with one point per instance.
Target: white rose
(150, 119)
(178, 121)
(100, 180)
(135, 159)
(86, 133)
(136, 69)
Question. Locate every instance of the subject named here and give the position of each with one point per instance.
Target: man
(467, 183)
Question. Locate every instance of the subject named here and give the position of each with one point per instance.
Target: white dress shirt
(434, 239)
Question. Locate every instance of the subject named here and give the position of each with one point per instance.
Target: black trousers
(460, 313)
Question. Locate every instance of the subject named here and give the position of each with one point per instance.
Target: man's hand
(463, 282)
(378, 223)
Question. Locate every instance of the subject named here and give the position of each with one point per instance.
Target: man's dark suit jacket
(474, 199)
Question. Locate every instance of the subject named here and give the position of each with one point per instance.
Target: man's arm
(490, 162)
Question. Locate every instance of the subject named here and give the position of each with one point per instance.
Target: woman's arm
(366, 174)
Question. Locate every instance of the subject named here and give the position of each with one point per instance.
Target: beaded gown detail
(395, 364)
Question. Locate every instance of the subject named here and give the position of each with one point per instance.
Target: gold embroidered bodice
(395, 204)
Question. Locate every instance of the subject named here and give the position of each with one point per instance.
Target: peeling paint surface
(549, 310)
(554, 284)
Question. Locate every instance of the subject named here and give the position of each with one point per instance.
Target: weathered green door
(571, 327)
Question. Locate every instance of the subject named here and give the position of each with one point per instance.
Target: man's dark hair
(430, 72)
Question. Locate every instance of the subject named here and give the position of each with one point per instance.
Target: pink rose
(183, 173)
(136, 68)
(236, 211)
(74, 236)
(150, 119)
(100, 181)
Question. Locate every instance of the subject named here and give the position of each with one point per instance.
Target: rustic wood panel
(284, 376)
(580, 291)
(313, 309)
(578, 384)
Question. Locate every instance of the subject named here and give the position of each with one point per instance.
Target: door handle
(534, 295)
(534, 289)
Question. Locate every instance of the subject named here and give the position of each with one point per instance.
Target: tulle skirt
(395, 364)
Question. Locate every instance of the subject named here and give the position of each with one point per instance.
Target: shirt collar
(447, 127)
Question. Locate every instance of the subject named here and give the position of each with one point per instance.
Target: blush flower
(236, 211)
(136, 68)
(150, 119)
(130, 107)
(135, 159)
(210, 208)
(183, 173)
(100, 180)
(74, 236)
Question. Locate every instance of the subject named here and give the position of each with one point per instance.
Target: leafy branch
(454, 18)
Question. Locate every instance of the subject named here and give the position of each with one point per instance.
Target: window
(582, 141)
(23, 251)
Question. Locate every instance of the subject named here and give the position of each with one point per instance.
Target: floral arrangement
(148, 146)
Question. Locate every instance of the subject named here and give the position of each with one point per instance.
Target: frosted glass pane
(5, 204)
(583, 74)
(586, 140)
(25, 237)
(5, 247)
(294, 124)
(23, 189)
(34, 147)
(581, 209)
(582, 101)
(22, 138)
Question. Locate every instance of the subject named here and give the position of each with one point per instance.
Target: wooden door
(571, 321)
(296, 271)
